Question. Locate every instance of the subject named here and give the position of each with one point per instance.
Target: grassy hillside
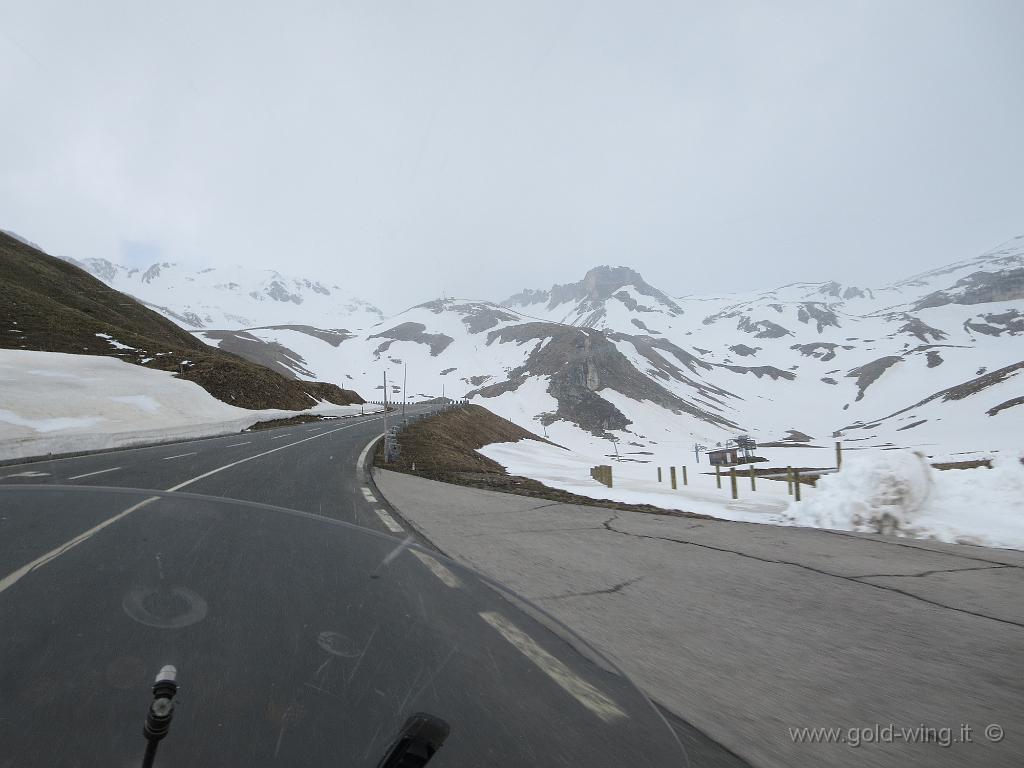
(49, 305)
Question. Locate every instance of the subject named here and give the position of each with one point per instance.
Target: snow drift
(899, 493)
(52, 403)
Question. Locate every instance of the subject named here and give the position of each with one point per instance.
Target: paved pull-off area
(753, 632)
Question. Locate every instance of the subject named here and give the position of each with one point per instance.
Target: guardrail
(392, 449)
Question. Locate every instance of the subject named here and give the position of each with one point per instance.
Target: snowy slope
(59, 403)
(235, 297)
(612, 358)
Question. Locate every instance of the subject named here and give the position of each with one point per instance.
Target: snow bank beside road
(900, 493)
(58, 403)
(637, 483)
(893, 492)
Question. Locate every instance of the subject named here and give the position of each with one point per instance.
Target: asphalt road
(300, 640)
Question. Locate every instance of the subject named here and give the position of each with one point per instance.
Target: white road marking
(27, 474)
(278, 437)
(436, 568)
(12, 578)
(120, 451)
(15, 576)
(203, 476)
(369, 496)
(179, 456)
(235, 445)
(580, 689)
(361, 461)
(389, 521)
(97, 472)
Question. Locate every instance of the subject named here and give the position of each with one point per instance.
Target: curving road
(300, 640)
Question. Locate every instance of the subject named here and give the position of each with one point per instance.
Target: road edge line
(366, 473)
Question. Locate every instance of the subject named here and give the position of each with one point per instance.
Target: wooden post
(753, 478)
(672, 476)
(685, 482)
(609, 471)
(839, 455)
(789, 480)
(796, 485)
(732, 481)
(659, 474)
(718, 475)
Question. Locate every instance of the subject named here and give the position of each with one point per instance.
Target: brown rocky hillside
(49, 305)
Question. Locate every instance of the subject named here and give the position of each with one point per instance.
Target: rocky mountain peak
(602, 282)
(597, 286)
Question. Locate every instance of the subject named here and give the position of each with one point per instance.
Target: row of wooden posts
(603, 474)
(792, 479)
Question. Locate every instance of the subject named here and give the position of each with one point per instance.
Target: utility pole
(385, 404)
(405, 380)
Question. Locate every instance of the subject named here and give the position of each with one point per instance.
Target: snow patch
(898, 492)
(113, 342)
(142, 402)
(54, 424)
(60, 403)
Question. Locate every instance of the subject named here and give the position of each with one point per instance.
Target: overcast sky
(481, 147)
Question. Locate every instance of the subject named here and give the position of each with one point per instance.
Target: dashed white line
(436, 568)
(197, 478)
(278, 437)
(368, 495)
(235, 445)
(389, 521)
(15, 576)
(97, 472)
(585, 693)
(179, 456)
(26, 474)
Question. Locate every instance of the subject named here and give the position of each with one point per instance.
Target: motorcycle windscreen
(298, 641)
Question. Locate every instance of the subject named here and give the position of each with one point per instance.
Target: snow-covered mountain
(234, 297)
(934, 360)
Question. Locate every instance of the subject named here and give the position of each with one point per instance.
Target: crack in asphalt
(608, 591)
(541, 506)
(851, 535)
(530, 530)
(929, 573)
(853, 579)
